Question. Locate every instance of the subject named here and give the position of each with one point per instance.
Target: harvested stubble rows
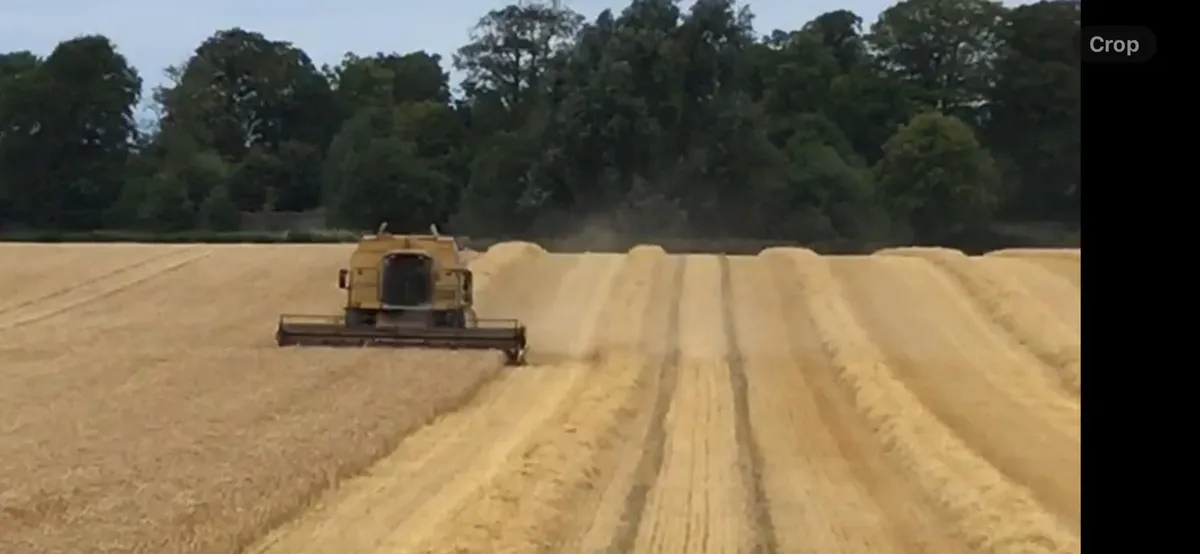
(910, 401)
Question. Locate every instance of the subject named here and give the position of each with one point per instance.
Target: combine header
(406, 291)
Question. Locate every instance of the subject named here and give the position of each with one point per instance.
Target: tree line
(940, 117)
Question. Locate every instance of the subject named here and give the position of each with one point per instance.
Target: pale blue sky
(153, 34)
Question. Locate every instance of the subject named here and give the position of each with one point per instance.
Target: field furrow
(79, 280)
(823, 472)
(992, 512)
(530, 505)
(1063, 263)
(750, 453)
(1060, 295)
(972, 375)
(698, 503)
(1013, 309)
(611, 518)
(786, 402)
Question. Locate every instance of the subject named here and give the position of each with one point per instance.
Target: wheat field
(914, 400)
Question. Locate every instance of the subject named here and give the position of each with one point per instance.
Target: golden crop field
(911, 401)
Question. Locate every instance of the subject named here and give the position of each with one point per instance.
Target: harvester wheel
(515, 357)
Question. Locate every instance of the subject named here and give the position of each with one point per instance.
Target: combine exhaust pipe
(506, 335)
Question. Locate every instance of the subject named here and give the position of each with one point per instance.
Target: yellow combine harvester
(406, 291)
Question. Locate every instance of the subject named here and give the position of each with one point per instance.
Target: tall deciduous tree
(1034, 107)
(375, 172)
(69, 133)
(388, 79)
(259, 104)
(935, 173)
(945, 48)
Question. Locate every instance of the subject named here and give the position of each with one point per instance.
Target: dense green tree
(14, 64)
(840, 31)
(1034, 124)
(655, 119)
(16, 68)
(510, 47)
(387, 79)
(218, 211)
(506, 66)
(69, 133)
(945, 48)
(829, 184)
(935, 174)
(259, 104)
(165, 205)
(375, 172)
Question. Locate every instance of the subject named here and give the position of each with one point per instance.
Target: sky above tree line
(153, 35)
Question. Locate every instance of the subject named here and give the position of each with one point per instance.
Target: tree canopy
(939, 117)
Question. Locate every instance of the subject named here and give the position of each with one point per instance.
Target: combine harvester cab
(406, 291)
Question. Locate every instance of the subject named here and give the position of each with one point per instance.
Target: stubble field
(915, 400)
